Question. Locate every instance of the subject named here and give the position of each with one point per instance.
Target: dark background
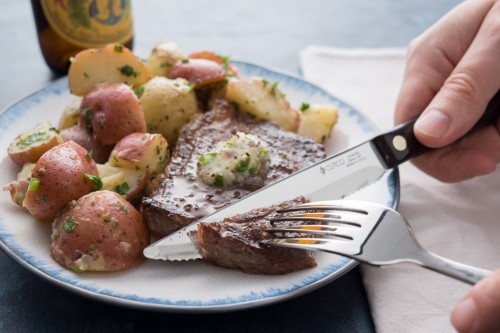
(270, 33)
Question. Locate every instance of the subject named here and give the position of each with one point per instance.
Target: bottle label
(90, 23)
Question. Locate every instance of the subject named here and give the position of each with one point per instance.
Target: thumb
(479, 310)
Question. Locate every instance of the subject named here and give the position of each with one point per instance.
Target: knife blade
(332, 178)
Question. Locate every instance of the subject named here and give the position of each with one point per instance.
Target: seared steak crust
(234, 243)
(182, 198)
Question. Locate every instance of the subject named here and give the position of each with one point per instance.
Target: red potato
(111, 63)
(28, 147)
(112, 111)
(199, 72)
(62, 174)
(144, 152)
(224, 61)
(99, 232)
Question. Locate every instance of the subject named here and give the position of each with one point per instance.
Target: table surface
(270, 33)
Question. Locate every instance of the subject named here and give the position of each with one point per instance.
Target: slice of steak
(181, 197)
(234, 243)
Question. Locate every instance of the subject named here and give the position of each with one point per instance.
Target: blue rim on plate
(232, 290)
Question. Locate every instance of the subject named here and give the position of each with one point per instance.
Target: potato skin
(80, 135)
(101, 231)
(142, 152)
(60, 172)
(199, 72)
(113, 111)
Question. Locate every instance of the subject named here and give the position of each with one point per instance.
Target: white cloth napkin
(459, 221)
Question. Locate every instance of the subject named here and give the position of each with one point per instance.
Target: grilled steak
(234, 243)
(181, 197)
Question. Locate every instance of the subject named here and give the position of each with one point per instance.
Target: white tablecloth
(460, 221)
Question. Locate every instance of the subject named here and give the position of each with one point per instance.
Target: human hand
(452, 72)
(479, 310)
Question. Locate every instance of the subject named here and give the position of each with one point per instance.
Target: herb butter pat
(233, 161)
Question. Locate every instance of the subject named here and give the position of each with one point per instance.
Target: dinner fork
(365, 231)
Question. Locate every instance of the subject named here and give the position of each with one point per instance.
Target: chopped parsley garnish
(139, 91)
(118, 48)
(273, 88)
(252, 171)
(88, 155)
(95, 179)
(185, 60)
(88, 113)
(242, 165)
(219, 180)
(263, 152)
(203, 160)
(128, 70)
(69, 224)
(304, 106)
(122, 188)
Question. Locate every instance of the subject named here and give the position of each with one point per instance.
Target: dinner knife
(332, 178)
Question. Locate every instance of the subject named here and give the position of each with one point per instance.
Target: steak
(235, 243)
(181, 197)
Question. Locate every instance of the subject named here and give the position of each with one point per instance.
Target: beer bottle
(65, 27)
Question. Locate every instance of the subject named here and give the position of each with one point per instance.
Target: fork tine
(312, 244)
(339, 205)
(315, 217)
(324, 230)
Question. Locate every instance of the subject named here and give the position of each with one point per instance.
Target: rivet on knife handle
(400, 144)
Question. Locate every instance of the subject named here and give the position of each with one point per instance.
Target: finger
(474, 155)
(463, 98)
(432, 57)
(479, 310)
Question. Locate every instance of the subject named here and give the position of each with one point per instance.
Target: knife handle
(400, 144)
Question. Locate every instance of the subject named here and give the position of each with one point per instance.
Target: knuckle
(461, 85)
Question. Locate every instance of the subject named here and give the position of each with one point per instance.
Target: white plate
(177, 286)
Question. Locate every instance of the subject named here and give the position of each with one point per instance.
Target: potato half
(28, 147)
(112, 63)
(143, 152)
(163, 57)
(264, 100)
(101, 231)
(168, 105)
(317, 121)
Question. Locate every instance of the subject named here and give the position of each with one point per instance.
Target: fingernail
(433, 123)
(464, 314)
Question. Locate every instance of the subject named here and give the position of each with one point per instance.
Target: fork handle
(400, 144)
(459, 271)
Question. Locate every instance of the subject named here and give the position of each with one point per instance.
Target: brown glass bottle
(65, 27)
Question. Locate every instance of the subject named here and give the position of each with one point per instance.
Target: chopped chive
(34, 184)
